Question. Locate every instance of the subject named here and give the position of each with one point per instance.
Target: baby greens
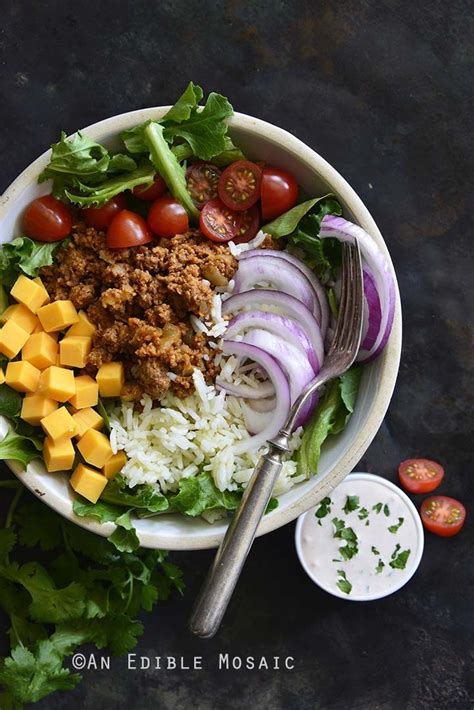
(24, 255)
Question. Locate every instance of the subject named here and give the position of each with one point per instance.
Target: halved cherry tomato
(153, 191)
(101, 217)
(202, 180)
(442, 515)
(218, 223)
(239, 185)
(420, 475)
(47, 219)
(279, 192)
(249, 222)
(128, 229)
(168, 217)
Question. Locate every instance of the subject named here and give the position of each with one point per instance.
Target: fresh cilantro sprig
(343, 583)
(394, 528)
(90, 593)
(351, 547)
(351, 504)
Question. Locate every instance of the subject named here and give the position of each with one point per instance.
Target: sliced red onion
(282, 393)
(286, 278)
(339, 228)
(292, 361)
(372, 311)
(262, 405)
(286, 328)
(255, 421)
(260, 298)
(306, 270)
(262, 391)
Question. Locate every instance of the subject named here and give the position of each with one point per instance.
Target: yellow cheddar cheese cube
(35, 407)
(86, 419)
(59, 424)
(57, 383)
(83, 326)
(38, 281)
(58, 315)
(22, 376)
(26, 291)
(22, 317)
(88, 482)
(41, 350)
(2, 377)
(87, 392)
(74, 350)
(12, 339)
(114, 465)
(58, 455)
(39, 329)
(111, 379)
(95, 448)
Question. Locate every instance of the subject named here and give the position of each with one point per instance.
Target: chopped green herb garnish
(395, 552)
(380, 566)
(400, 561)
(351, 504)
(393, 528)
(351, 547)
(343, 583)
(386, 510)
(377, 507)
(363, 514)
(374, 550)
(324, 508)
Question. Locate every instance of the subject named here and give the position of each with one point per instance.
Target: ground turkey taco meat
(141, 300)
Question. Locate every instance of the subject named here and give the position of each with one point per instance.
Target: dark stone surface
(383, 90)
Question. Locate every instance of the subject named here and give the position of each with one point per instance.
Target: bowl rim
(415, 561)
(389, 360)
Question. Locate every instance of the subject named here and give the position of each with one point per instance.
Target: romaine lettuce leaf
(331, 417)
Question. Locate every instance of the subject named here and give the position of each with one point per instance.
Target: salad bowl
(264, 142)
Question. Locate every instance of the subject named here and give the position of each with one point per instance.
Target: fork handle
(217, 590)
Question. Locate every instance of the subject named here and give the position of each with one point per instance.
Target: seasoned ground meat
(141, 300)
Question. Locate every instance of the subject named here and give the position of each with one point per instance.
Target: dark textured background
(383, 90)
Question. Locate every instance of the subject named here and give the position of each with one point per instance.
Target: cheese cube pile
(54, 338)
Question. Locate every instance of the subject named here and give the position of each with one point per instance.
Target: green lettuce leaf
(205, 129)
(331, 417)
(19, 448)
(142, 496)
(10, 402)
(23, 255)
(124, 537)
(199, 493)
(185, 105)
(86, 195)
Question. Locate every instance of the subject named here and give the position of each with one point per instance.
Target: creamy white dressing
(368, 570)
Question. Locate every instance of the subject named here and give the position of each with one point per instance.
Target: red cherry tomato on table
(101, 217)
(128, 229)
(218, 223)
(239, 185)
(279, 192)
(420, 475)
(249, 223)
(442, 515)
(47, 220)
(202, 180)
(153, 191)
(168, 217)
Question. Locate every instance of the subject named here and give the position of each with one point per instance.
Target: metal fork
(217, 590)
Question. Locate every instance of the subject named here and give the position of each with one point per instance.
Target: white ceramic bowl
(387, 491)
(259, 140)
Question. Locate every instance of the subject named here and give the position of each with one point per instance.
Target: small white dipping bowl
(317, 557)
(258, 140)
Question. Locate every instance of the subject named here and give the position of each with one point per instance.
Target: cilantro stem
(130, 593)
(67, 546)
(10, 484)
(15, 631)
(12, 508)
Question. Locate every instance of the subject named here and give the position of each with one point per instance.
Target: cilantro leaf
(363, 514)
(400, 560)
(394, 528)
(351, 548)
(343, 583)
(30, 675)
(324, 508)
(124, 536)
(351, 504)
(7, 541)
(377, 507)
(374, 550)
(380, 566)
(386, 510)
